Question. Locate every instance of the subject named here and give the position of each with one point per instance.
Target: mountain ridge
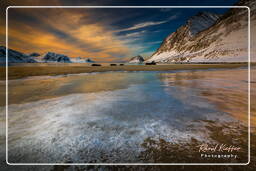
(224, 41)
(14, 56)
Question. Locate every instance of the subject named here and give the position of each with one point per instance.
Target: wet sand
(230, 96)
(21, 71)
(127, 116)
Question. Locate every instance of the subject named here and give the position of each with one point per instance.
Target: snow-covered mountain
(54, 57)
(50, 57)
(208, 37)
(136, 60)
(14, 56)
(81, 60)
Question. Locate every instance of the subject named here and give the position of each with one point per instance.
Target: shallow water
(105, 117)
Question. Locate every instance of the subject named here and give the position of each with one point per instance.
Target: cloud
(155, 42)
(76, 32)
(173, 17)
(134, 34)
(142, 25)
(147, 24)
(64, 35)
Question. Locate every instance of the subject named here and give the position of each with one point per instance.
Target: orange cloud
(90, 40)
(100, 38)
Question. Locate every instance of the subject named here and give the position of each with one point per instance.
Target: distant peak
(201, 21)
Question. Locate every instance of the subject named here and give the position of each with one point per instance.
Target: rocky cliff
(208, 37)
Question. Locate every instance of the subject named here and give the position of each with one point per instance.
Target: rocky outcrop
(209, 37)
(54, 57)
(14, 56)
(88, 60)
(136, 60)
(34, 54)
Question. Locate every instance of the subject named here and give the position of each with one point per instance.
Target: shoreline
(22, 71)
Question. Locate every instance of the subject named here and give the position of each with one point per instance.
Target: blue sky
(101, 34)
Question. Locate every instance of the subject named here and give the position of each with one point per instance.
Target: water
(105, 117)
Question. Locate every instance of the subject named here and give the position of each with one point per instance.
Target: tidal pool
(118, 117)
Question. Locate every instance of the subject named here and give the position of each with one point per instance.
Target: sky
(105, 35)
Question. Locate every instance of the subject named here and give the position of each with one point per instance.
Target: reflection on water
(44, 87)
(106, 117)
(227, 90)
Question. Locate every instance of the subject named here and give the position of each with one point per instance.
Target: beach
(25, 70)
(149, 116)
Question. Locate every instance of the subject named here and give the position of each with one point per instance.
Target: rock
(136, 60)
(54, 57)
(112, 64)
(96, 65)
(34, 54)
(150, 63)
(88, 60)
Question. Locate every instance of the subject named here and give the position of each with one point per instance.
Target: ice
(105, 126)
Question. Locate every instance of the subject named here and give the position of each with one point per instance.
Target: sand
(21, 71)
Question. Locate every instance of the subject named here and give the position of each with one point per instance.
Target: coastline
(22, 71)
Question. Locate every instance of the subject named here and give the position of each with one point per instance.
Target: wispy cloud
(147, 24)
(64, 35)
(173, 17)
(152, 43)
(134, 34)
(142, 25)
(73, 35)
